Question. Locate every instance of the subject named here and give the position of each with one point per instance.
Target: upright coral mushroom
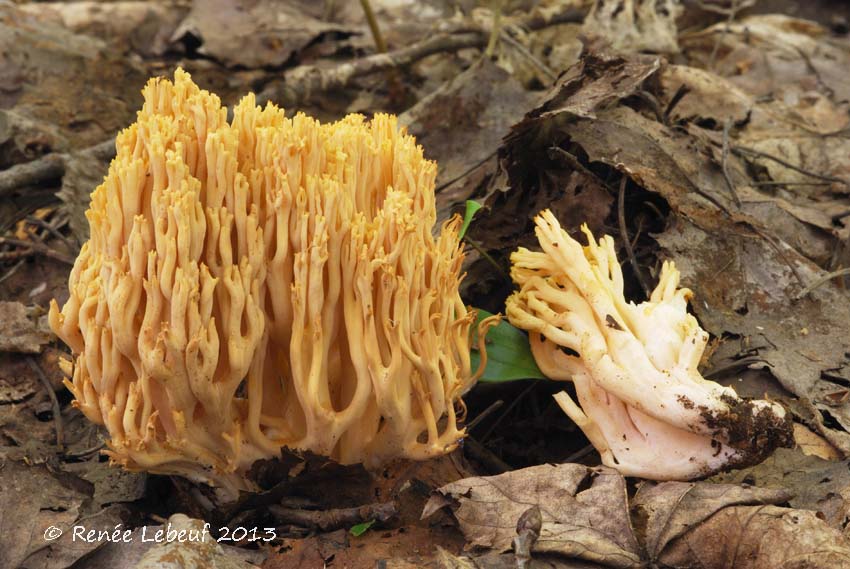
(643, 403)
(261, 283)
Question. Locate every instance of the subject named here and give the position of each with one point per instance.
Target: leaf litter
(731, 150)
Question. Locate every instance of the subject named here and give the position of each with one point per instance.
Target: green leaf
(360, 529)
(509, 356)
(472, 208)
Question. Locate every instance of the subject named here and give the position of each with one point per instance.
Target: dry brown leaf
(21, 329)
(812, 444)
(461, 125)
(263, 33)
(669, 510)
(760, 537)
(584, 511)
(816, 484)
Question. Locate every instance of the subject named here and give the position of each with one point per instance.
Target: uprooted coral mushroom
(261, 283)
(643, 403)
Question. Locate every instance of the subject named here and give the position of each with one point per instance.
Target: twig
(57, 410)
(327, 520)
(759, 153)
(47, 168)
(484, 414)
(733, 366)
(85, 452)
(510, 408)
(775, 183)
(39, 171)
(52, 230)
(465, 173)
(624, 234)
(580, 453)
(13, 270)
(675, 100)
(380, 44)
(522, 50)
(825, 278)
(486, 256)
(724, 163)
(302, 81)
(733, 11)
(34, 247)
(485, 456)
(495, 29)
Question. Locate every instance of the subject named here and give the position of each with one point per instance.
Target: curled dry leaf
(720, 525)
(584, 511)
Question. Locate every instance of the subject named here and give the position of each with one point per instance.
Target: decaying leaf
(760, 537)
(21, 329)
(583, 509)
(146, 27)
(815, 484)
(669, 510)
(721, 525)
(462, 123)
(634, 25)
(251, 34)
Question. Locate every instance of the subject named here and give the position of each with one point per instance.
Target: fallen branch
(47, 168)
(303, 81)
(29, 248)
(327, 520)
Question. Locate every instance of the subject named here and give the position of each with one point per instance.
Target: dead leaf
(261, 33)
(146, 27)
(668, 510)
(637, 26)
(463, 122)
(21, 329)
(812, 444)
(583, 509)
(760, 537)
(32, 501)
(816, 484)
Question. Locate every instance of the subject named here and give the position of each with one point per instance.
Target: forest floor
(715, 134)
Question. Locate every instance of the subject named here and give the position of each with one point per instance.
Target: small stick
(724, 163)
(327, 520)
(47, 168)
(624, 234)
(300, 82)
(52, 230)
(380, 44)
(57, 410)
(84, 452)
(484, 414)
(496, 29)
(753, 152)
(581, 453)
(774, 183)
(510, 408)
(37, 248)
(825, 278)
(485, 456)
